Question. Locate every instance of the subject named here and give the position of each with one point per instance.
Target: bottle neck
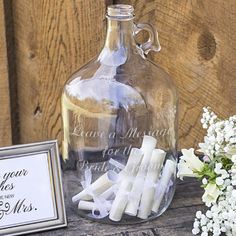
(119, 34)
(119, 42)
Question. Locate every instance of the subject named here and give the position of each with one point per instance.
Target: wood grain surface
(176, 221)
(52, 40)
(198, 41)
(5, 113)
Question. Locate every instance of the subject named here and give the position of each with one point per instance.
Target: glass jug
(120, 128)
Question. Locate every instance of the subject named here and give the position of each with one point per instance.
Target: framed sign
(31, 195)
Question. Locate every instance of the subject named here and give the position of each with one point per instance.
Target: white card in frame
(31, 194)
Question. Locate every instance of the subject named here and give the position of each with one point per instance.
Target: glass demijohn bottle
(120, 128)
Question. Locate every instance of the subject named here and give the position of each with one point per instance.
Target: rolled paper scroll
(133, 162)
(91, 206)
(148, 145)
(128, 174)
(99, 186)
(120, 202)
(130, 167)
(168, 171)
(109, 194)
(153, 173)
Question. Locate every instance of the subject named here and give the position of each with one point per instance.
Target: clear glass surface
(109, 104)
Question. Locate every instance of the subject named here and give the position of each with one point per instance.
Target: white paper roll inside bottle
(148, 145)
(99, 186)
(121, 199)
(167, 173)
(147, 198)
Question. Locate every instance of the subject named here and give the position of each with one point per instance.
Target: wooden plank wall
(5, 114)
(198, 41)
(54, 38)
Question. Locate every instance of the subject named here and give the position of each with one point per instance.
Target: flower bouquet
(217, 171)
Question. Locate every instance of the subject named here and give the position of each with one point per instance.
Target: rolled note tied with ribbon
(110, 193)
(148, 145)
(162, 185)
(128, 174)
(153, 173)
(96, 188)
(92, 206)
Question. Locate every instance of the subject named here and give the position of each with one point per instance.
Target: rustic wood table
(177, 220)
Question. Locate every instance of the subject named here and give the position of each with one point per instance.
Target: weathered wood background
(5, 116)
(51, 39)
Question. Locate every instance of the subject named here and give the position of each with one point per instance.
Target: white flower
(233, 158)
(184, 171)
(232, 140)
(221, 216)
(192, 160)
(223, 229)
(195, 231)
(196, 224)
(218, 166)
(221, 134)
(204, 228)
(203, 220)
(220, 197)
(233, 182)
(224, 174)
(234, 230)
(227, 182)
(211, 194)
(204, 234)
(216, 232)
(208, 214)
(219, 181)
(234, 193)
(198, 214)
(189, 164)
(229, 188)
(204, 181)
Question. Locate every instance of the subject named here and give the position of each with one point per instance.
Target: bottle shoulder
(136, 70)
(103, 95)
(99, 87)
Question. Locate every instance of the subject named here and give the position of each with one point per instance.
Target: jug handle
(152, 43)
